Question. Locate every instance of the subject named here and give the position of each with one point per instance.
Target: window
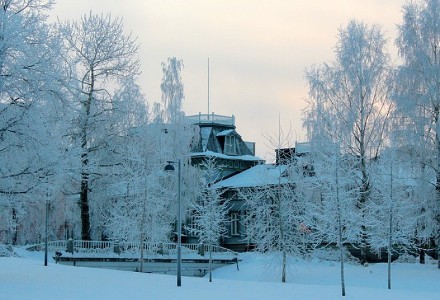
(230, 147)
(308, 170)
(232, 195)
(192, 223)
(235, 222)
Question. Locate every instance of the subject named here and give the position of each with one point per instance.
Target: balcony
(211, 119)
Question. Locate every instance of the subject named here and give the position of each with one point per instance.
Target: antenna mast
(208, 89)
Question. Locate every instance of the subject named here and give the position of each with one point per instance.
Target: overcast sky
(258, 51)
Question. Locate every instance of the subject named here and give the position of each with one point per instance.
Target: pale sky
(258, 51)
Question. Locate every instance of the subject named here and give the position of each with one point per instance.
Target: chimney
(284, 156)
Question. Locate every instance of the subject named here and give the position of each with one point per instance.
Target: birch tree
(126, 124)
(276, 218)
(419, 94)
(129, 107)
(333, 213)
(208, 210)
(138, 210)
(29, 107)
(349, 103)
(393, 206)
(98, 53)
(28, 72)
(172, 89)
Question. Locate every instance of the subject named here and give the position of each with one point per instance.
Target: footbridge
(148, 257)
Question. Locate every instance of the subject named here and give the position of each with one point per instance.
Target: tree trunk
(437, 184)
(437, 215)
(85, 214)
(84, 192)
(210, 261)
(361, 205)
(390, 253)
(390, 233)
(283, 279)
(15, 230)
(422, 256)
(365, 181)
(341, 253)
(340, 228)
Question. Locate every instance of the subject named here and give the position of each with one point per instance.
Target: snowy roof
(301, 148)
(258, 175)
(224, 156)
(225, 132)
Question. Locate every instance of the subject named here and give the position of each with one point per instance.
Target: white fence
(118, 248)
(211, 119)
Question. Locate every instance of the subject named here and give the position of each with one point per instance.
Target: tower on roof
(218, 138)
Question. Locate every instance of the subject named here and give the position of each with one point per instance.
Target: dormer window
(230, 145)
(229, 141)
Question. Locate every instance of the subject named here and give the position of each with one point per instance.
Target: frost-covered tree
(418, 96)
(208, 210)
(126, 122)
(349, 103)
(333, 213)
(98, 53)
(28, 72)
(393, 206)
(276, 218)
(129, 107)
(180, 132)
(141, 203)
(172, 89)
(29, 111)
(138, 211)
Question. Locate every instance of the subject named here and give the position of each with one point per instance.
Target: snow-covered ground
(258, 277)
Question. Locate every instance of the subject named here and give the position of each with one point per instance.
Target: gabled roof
(259, 175)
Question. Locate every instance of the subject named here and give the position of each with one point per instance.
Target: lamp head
(169, 168)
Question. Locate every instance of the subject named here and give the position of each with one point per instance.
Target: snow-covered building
(239, 168)
(259, 176)
(263, 176)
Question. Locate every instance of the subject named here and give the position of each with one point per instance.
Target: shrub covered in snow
(6, 251)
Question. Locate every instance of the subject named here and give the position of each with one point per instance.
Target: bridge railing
(112, 247)
(93, 247)
(149, 248)
(214, 248)
(51, 246)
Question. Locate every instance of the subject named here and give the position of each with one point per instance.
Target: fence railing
(214, 248)
(115, 247)
(51, 246)
(211, 119)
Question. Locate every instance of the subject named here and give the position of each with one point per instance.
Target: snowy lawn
(258, 278)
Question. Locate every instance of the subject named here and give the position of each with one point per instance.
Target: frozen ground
(25, 277)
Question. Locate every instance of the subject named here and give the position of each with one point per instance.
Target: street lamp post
(46, 232)
(170, 168)
(46, 225)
